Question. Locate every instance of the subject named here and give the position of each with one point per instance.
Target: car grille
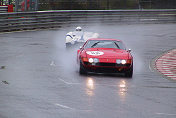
(106, 64)
(104, 70)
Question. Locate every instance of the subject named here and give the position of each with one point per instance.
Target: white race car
(78, 36)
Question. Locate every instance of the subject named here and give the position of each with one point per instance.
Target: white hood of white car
(80, 36)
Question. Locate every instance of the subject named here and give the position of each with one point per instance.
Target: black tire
(129, 73)
(68, 45)
(82, 70)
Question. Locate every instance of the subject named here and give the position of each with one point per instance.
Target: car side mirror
(129, 50)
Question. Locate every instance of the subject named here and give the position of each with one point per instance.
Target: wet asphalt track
(39, 78)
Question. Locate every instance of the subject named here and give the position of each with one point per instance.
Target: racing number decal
(95, 53)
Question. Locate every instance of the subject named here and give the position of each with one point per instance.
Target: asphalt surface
(39, 77)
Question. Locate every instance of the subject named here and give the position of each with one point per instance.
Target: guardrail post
(1, 2)
(108, 4)
(30, 4)
(139, 5)
(36, 5)
(9, 2)
(16, 5)
(25, 5)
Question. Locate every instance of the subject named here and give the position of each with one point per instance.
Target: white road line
(166, 114)
(164, 70)
(172, 58)
(172, 77)
(150, 67)
(67, 107)
(168, 61)
(167, 64)
(167, 72)
(163, 66)
(64, 81)
(63, 106)
(173, 65)
(52, 63)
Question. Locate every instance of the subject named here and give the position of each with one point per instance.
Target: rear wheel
(129, 73)
(82, 70)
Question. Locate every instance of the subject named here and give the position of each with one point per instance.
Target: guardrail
(54, 19)
(6, 8)
(3, 9)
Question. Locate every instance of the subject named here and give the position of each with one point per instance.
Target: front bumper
(106, 67)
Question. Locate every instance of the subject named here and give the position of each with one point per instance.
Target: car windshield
(105, 44)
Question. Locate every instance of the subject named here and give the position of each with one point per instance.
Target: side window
(88, 44)
(121, 45)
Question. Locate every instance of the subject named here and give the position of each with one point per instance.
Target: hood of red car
(106, 53)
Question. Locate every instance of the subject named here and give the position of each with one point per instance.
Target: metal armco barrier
(3, 9)
(6, 8)
(54, 19)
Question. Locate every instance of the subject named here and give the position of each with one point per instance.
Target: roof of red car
(104, 39)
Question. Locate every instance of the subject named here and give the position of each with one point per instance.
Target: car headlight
(96, 60)
(123, 61)
(91, 60)
(118, 61)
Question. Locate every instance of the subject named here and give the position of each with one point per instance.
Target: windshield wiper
(117, 45)
(95, 44)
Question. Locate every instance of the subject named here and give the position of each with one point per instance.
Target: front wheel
(68, 45)
(82, 70)
(129, 73)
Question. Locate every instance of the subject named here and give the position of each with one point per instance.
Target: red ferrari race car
(105, 56)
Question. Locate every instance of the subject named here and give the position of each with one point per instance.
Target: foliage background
(105, 4)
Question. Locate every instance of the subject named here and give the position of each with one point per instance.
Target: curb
(165, 64)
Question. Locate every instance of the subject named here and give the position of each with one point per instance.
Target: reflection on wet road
(122, 89)
(90, 87)
(43, 78)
